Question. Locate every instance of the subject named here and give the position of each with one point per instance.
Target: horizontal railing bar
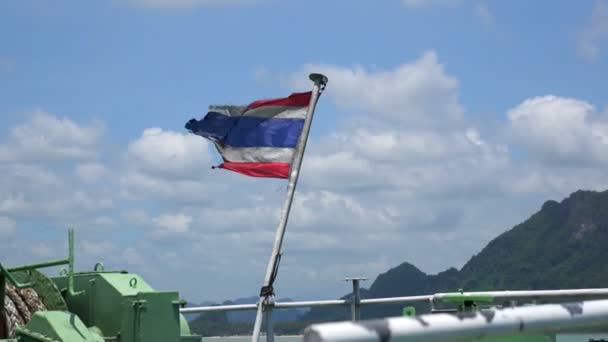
(219, 308)
(497, 295)
(39, 265)
(535, 294)
(312, 303)
(395, 300)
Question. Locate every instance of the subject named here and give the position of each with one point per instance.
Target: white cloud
(139, 185)
(8, 227)
(171, 225)
(133, 257)
(103, 221)
(169, 154)
(560, 129)
(91, 172)
(185, 4)
(66, 204)
(412, 93)
(595, 34)
(96, 248)
(136, 216)
(41, 250)
(382, 180)
(48, 137)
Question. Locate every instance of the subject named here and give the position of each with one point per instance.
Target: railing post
(355, 304)
(268, 322)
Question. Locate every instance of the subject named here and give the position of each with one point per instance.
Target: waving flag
(259, 139)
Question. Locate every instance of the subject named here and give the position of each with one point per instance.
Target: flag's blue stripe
(247, 131)
(261, 132)
(213, 125)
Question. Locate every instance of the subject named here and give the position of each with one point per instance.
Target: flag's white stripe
(278, 112)
(256, 154)
(228, 110)
(268, 112)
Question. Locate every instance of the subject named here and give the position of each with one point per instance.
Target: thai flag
(259, 139)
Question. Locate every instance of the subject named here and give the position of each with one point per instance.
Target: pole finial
(318, 78)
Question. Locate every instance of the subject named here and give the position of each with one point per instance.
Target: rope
(32, 300)
(19, 306)
(12, 316)
(19, 303)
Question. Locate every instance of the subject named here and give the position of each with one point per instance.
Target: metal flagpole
(273, 265)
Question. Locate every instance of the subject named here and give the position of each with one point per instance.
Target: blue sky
(445, 122)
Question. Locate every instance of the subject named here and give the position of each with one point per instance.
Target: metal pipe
(540, 319)
(395, 300)
(269, 324)
(286, 305)
(497, 295)
(535, 294)
(272, 268)
(5, 273)
(312, 303)
(219, 308)
(356, 300)
(39, 265)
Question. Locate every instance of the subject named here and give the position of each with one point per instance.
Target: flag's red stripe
(295, 100)
(270, 170)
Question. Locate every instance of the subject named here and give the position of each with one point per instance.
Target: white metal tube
(498, 295)
(269, 325)
(396, 300)
(257, 325)
(319, 81)
(549, 318)
(312, 303)
(219, 308)
(537, 294)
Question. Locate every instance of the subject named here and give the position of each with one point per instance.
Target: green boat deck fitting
(95, 306)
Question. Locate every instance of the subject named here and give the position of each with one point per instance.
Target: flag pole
(273, 264)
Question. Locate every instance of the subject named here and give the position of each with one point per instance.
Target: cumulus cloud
(420, 92)
(595, 33)
(167, 165)
(171, 225)
(96, 248)
(560, 129)
(91, 172)
(51, 138)
(407, 173)
(169, 154)
(68, 204)
(133, 257)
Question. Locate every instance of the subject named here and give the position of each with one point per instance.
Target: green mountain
(564, 245)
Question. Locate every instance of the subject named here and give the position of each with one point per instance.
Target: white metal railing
(496, 295)
(356, 303)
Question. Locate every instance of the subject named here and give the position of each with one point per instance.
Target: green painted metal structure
(94, 306)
